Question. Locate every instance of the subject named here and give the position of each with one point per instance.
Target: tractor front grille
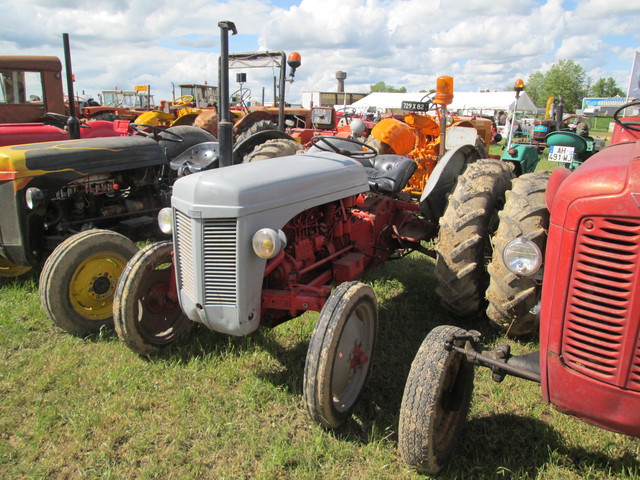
(219, 261)
(218, 258)
(184, 254)
(601, 336)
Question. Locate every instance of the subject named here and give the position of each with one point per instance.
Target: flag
(634, 81)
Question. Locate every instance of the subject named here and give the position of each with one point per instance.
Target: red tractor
(588, 364)
(32, 105)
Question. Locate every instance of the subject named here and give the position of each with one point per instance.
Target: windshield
(18, 87)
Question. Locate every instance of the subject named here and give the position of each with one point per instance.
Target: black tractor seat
(388, 174)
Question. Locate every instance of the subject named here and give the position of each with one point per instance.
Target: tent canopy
(463, 102)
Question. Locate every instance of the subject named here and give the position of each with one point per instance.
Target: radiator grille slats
(600, 298)
(219, 261)
(184, 252)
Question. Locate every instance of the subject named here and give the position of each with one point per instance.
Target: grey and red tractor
(260, 243)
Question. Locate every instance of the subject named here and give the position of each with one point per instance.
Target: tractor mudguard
(396, 134)
(524, 157)
(568, 139)
(441, 181)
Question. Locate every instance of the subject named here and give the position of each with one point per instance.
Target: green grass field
(216, 407)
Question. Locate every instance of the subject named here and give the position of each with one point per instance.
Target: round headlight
(165, 220)
(34, 198)
(267, 243)
(522, 257)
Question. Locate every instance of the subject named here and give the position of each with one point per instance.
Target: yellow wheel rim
(10, 270)
(93, 284)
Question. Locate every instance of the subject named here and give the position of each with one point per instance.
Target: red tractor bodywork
(21, 133)
(590, 312)
(335, 243)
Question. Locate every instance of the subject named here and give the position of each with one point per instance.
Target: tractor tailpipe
(225, 127)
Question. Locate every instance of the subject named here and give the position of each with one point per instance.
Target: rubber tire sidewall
(464, 235)
(423, 394)
(125, 305)
(320, 358)
(61, 265)
(511, 296)
(278, 147)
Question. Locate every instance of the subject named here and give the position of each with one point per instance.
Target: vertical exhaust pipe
(73, 124)
(225, 127)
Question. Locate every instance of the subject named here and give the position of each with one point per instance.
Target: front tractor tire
(78, 280)
(463, 245)
(146, 318)
(340, 354)
(435, 402)
(512, 297)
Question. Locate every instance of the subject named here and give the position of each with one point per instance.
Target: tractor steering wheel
(347, 112)
(182, 101)
(330, 144)
(156, 132)
(63, 119)
(629, 125)
(245, 94)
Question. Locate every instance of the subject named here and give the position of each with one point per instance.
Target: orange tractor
(418, 136)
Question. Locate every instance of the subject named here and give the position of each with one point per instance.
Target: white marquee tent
(483, 103)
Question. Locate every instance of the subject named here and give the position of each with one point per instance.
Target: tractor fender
(396, 134)
(246, 146)
(443, 178)
(155, 117)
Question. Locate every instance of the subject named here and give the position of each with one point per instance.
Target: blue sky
(483, 45)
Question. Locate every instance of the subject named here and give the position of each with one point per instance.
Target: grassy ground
(226, 408)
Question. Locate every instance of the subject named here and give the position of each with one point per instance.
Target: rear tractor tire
(279, 147)
(463, 244)
(512, 297)
(79, 279)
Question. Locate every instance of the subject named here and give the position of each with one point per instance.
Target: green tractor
(566, 147)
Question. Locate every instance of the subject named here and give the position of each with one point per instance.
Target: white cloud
(484, 45)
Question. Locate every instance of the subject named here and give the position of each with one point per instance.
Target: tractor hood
(85, 157)
(607, 174)
(305, 180)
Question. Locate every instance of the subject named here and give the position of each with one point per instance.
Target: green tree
(564, 79)
(606, 87)
(534, 89)
(383, 87)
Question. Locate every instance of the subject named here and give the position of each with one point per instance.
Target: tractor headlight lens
(165, 220)
(267, 243)
(522, 257)
(34, 198)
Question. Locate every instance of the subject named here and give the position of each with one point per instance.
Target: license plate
(416, 106)
(558, 153)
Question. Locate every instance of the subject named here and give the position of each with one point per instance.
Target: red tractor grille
(601, 329)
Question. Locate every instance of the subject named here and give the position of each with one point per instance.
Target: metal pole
(283, 81)
(225, 127)
(443, 131)
(73, 124)
(513, 120)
